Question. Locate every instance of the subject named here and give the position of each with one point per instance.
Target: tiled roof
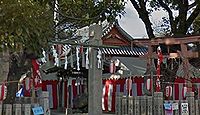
(125, 51)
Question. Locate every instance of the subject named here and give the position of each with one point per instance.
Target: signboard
(175, 106)
(37, 110)
(168, 106)
(184, 109)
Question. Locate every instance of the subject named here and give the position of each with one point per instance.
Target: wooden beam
(167, 41)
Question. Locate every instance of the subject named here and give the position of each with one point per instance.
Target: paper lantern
(148, 84)
(184, 91)
(168, 91)
(3, 92)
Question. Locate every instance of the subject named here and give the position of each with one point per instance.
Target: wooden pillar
(149, 105)
(17, 109)
(95, 73)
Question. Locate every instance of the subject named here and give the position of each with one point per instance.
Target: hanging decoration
(168, 91)
(99, 56)
(43, 59)
(66, 50)
(148, 84)
(112, 66)
(77, 58)
(3, 92)
(184, 91)
(55, 55)
(87, 59)
(158, 73)
(82, 56)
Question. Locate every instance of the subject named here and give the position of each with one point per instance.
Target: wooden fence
(156, 105)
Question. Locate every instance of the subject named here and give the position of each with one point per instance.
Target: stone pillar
(196, 107)
(143, 105)
(158, 103)
(1, 108)
(176, 112)
(191, 102)
(44, 102)
(130, 105)
(137, 105)
(7, 109)
(17, 109)
(95, 73)
(26, 109)
(118, 103)
(124, 105)
(149, 105)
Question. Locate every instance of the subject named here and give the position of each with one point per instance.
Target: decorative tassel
(99, 55)
(77, 58)
(87, 59)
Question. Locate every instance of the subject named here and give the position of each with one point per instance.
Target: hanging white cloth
(99, 56)
(77, 58)
(87, 59)
(55, 55)
(43, 59)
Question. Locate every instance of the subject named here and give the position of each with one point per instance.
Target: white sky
(133, 25)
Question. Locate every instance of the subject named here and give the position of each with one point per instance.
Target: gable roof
(109, 26)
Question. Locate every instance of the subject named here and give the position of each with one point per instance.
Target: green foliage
(30, 23)
(25, 23)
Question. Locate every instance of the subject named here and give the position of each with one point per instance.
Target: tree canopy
(31, 23)
(181, 14)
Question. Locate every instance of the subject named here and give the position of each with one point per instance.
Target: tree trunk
(19, 64)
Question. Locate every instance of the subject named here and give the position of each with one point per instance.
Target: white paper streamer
(99, 55)
(77, 57)
(43, 59)
(87, 59)
(55, 55)
(66, 50)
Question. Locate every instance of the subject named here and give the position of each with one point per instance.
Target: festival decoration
(3, 92)
(184, 91)
(168, 91)
(112, 66)
(43, 59)
(77, 58)
(99, 56)
(158, 73)
(66, 50)
(55, 55)
(87, 59)
(148, 84)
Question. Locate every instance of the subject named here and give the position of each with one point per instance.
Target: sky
(133, 25)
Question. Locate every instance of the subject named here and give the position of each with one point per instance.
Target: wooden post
(196, 107)
(124, 105)
(95, 73)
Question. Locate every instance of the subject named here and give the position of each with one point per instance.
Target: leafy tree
(181, 17)
(180, 23)
(26, 26)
